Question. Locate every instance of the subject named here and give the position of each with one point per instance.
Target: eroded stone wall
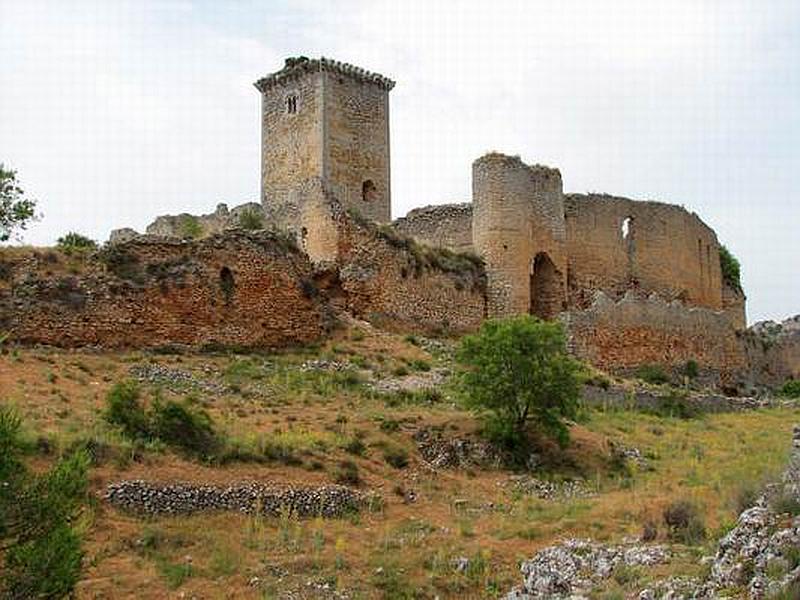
(615, 244)
(237, 289)
(621, 335)
(406, 288)
(441, 226)
(733, 303)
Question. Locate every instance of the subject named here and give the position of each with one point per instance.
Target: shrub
(75, 243)
(184, 427)
(685, 523)
(355, 445)
(396, 456)
(516, 372)
(791, 389)
(731, 269)
(251, 219)
(190, 227)
(42, 552)
(125, 410)
(691, 369)
(654, 374)
(16, 211)
(675, 405)
(347, 473)
(420, 365)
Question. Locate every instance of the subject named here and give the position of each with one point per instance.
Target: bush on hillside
(176, 424)
(251, 220)
(42, 550)
(790, 389)
(517, 373)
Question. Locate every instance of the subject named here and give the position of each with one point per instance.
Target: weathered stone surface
(441, 226)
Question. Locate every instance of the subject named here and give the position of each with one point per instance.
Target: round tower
(518, 228)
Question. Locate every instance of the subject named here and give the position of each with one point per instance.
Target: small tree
(16, 211)
(251, 220)
(40, 545)
(517, 372)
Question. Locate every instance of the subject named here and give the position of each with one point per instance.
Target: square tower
(323, 119)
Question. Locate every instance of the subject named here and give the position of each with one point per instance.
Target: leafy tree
(42, 550)
(74, 242)
(517, 373)
(731, 269)
(16, 211)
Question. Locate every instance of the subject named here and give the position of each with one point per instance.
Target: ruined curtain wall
(441, 226)
(622, 335)
(667, 250)
(237, 290)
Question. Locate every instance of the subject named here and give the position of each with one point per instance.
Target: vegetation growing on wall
(730, 268)
(75, 243)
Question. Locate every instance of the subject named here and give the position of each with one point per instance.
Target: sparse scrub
(654, 374)
(347, 473)
(786, 503)
(75, 243)
(731, 269)
(251, 220)
(685, 522)
(396, 456)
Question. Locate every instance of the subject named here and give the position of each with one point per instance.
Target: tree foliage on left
(38, 535)
(16, 211)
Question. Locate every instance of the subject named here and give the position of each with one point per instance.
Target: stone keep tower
(329, 121)
(518, 227)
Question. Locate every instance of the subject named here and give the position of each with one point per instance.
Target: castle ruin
(633, 282)
(325, 135)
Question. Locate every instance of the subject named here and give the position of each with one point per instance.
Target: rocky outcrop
(760, 556)
(573, 567)
(248, 497)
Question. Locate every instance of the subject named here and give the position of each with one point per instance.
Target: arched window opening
(546, 288)
(291, 104)
(226, 283)
(368, 191)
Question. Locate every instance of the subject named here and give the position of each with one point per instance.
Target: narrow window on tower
(368, 191)
(291, 104)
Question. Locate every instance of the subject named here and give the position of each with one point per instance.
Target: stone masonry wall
(356, 144)
(667, 250)
(402, 287)
(518, 214)
(237, 289)
(291, 142)
(441, 226)
(621, 335)
(733, 303)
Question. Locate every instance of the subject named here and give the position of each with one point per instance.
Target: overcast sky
(114, 112)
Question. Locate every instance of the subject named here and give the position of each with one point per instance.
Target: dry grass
(405, 550)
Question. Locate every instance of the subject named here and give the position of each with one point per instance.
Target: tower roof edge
(298, 66)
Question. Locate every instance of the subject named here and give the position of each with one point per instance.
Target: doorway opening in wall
(547, 293)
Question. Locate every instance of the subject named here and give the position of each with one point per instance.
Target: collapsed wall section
(441, 226)
(615, 244)
(621, 335)
(402, 285)
(236, 289)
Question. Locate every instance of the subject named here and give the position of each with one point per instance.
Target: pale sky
(114, 112)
